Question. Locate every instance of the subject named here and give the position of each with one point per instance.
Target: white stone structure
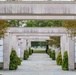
(38, 10)
(67, 44)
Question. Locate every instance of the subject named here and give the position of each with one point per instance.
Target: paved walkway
(38, 64)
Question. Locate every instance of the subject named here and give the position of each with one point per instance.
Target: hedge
(59, 59)
(65, 61)
(53, 54)
(26, 54)
(30, 51)
(14, 60)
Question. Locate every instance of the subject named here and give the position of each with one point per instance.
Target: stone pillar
(6, 50)
(71, 52)
(23, 47)
(15, 43)
(63, 44)
(68, 44)
(28, 44)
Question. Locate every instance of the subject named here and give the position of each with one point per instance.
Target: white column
(15, 43)
(6, 50)
(28, 44)
(23, 47)
(63, 44)
(67, 44)
(71, 55)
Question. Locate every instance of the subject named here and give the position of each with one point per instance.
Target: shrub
(53, 54)
(30, 51)
(26, 54)
(65, 61)
(13, 60)
(48, 52)
(59, 59)
(19, 61)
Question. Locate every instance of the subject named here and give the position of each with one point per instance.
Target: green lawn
(39, 51)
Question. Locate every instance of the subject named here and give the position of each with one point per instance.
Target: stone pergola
(38, 11)
(26, 42)
(13, 34)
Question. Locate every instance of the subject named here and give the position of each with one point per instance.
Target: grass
(39, 51)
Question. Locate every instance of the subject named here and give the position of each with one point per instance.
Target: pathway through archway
(38, 64)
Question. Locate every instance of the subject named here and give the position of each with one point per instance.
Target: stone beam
(36, 30)
(35, 17)
(38, 34)
(38, 8)
(35, 37)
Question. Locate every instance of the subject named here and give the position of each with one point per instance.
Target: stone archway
(13, 33)
(39, 11)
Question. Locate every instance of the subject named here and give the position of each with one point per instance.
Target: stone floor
(38, 64)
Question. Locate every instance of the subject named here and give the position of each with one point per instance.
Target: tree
(16, 23)
(38, 43)
(43, 23)
(3, 27)
(71, 26)
(54, 40)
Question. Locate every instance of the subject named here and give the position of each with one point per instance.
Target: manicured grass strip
(39, 51)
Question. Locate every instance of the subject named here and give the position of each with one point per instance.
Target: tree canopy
(54, 41)
(43, 23)
(71, 26)
(3, 27)
(16, 23)
(38, 43)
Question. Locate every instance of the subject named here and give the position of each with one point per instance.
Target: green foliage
(30, 51)
(71, 26)
(16, 23)
(65, 61)
(48, 52)
(26, 54)
(38, 43)
(14, 60)
(53, 54)
(38, 51)
(45, 23)
(3, 27)
(19, 61)
(59, 59)
(1, 68)
(54, 40)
